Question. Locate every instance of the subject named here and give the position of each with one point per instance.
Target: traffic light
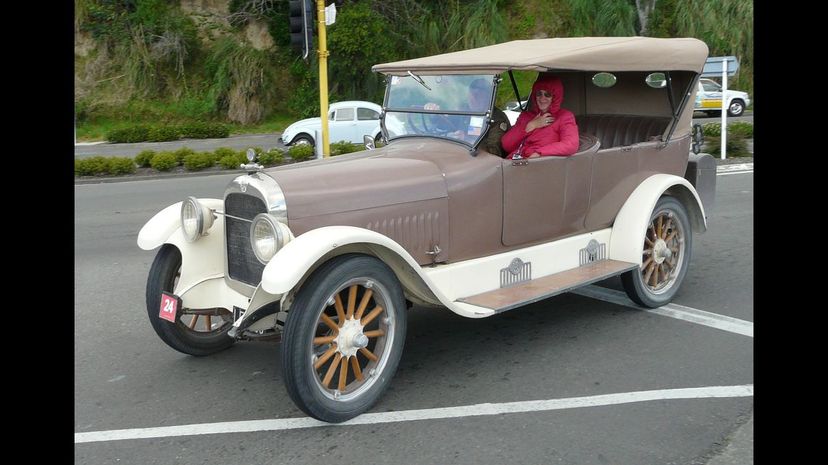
(301, 26)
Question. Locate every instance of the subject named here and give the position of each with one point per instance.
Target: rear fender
(626, 242)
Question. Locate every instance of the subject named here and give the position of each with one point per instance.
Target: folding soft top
(572, 53)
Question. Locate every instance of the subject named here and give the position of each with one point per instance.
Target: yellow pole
(323, 77)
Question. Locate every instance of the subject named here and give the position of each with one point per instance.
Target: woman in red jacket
(545, 128)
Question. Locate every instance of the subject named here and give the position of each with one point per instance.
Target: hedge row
(191, 160)
(143, 133)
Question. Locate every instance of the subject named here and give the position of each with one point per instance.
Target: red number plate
(169, 306)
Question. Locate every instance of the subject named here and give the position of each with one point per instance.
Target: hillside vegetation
(229, 61)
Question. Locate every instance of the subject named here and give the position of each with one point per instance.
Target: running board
(510, 297)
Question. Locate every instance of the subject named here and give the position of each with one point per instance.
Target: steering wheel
(433, 124)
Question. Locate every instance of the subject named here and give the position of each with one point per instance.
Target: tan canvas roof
(572, 53)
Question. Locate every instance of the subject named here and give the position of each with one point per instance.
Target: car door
(711, 95)
(342, 125)
(533, 199)
(367, 120)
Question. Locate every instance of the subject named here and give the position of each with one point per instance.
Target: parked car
(709, 99)
(331, 255)
(348, 121)
(512, 110)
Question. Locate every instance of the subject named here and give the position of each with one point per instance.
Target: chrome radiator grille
(242, 264)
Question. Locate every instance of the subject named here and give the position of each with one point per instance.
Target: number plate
(169, 306)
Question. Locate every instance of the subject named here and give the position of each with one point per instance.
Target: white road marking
(423, 414)
(740, 168)
(701, 317)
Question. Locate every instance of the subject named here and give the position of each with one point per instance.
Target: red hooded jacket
(559, 138)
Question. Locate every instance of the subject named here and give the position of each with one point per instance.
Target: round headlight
(266, 237)
(196, 219)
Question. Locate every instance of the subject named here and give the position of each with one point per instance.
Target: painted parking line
(422, 414)
(740, 168)
(680, 312)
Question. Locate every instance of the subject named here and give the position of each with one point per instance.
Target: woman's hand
(540, 121)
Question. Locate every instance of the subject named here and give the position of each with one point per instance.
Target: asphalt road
(563, 347)
(264, 141)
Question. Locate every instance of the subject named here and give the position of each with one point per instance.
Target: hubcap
(353, 339)
(663, 252)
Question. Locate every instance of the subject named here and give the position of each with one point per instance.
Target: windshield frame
(472, 146)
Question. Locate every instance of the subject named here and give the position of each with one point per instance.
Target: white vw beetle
(349, 121)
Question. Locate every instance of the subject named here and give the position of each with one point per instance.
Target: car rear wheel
(343, 338)
(736, 108)
(195, 332)
(665, 256)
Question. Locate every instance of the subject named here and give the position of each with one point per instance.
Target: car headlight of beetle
(196, 219)
(267, 236)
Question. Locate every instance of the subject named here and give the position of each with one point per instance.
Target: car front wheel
(665, 256)
(736, 108)
(343, 338)
(195, 331)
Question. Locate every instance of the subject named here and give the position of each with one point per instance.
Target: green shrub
(162, 134)
(182, 154)
(128, 135)
(144, 157)
(301, 152)
(163, 161)
(736, 128)
(199, 161)
(342, 147)
(91, 166)
(204, 130)
(272, 157)
(741, 128)
(222, 152)
(230, 162)
(736, 146)
(121, 165)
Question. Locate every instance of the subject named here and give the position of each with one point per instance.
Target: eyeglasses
(543, 93)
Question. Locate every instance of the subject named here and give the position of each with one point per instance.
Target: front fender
(626, 242)
(291, 264)
(201, 283)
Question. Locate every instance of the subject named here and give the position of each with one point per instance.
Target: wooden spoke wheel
(195, 332)
(665, 256)
(343, 337)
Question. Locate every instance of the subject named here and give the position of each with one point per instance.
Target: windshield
(454, 106)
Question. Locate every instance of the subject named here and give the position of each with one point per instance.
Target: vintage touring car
(331, 254)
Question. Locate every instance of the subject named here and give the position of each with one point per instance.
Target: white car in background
(512, 110)
(709, 99)
(348, 121)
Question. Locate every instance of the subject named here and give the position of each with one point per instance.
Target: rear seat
(620, 130)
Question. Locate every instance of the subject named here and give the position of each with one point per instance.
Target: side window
(366, 114)
(711, 86)
(345, 114)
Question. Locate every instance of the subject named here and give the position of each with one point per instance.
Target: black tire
(736, 108)
(714, 113)
(379, 140)
(307, 362)
(669, 239)
(303, 139)
(179, 335)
